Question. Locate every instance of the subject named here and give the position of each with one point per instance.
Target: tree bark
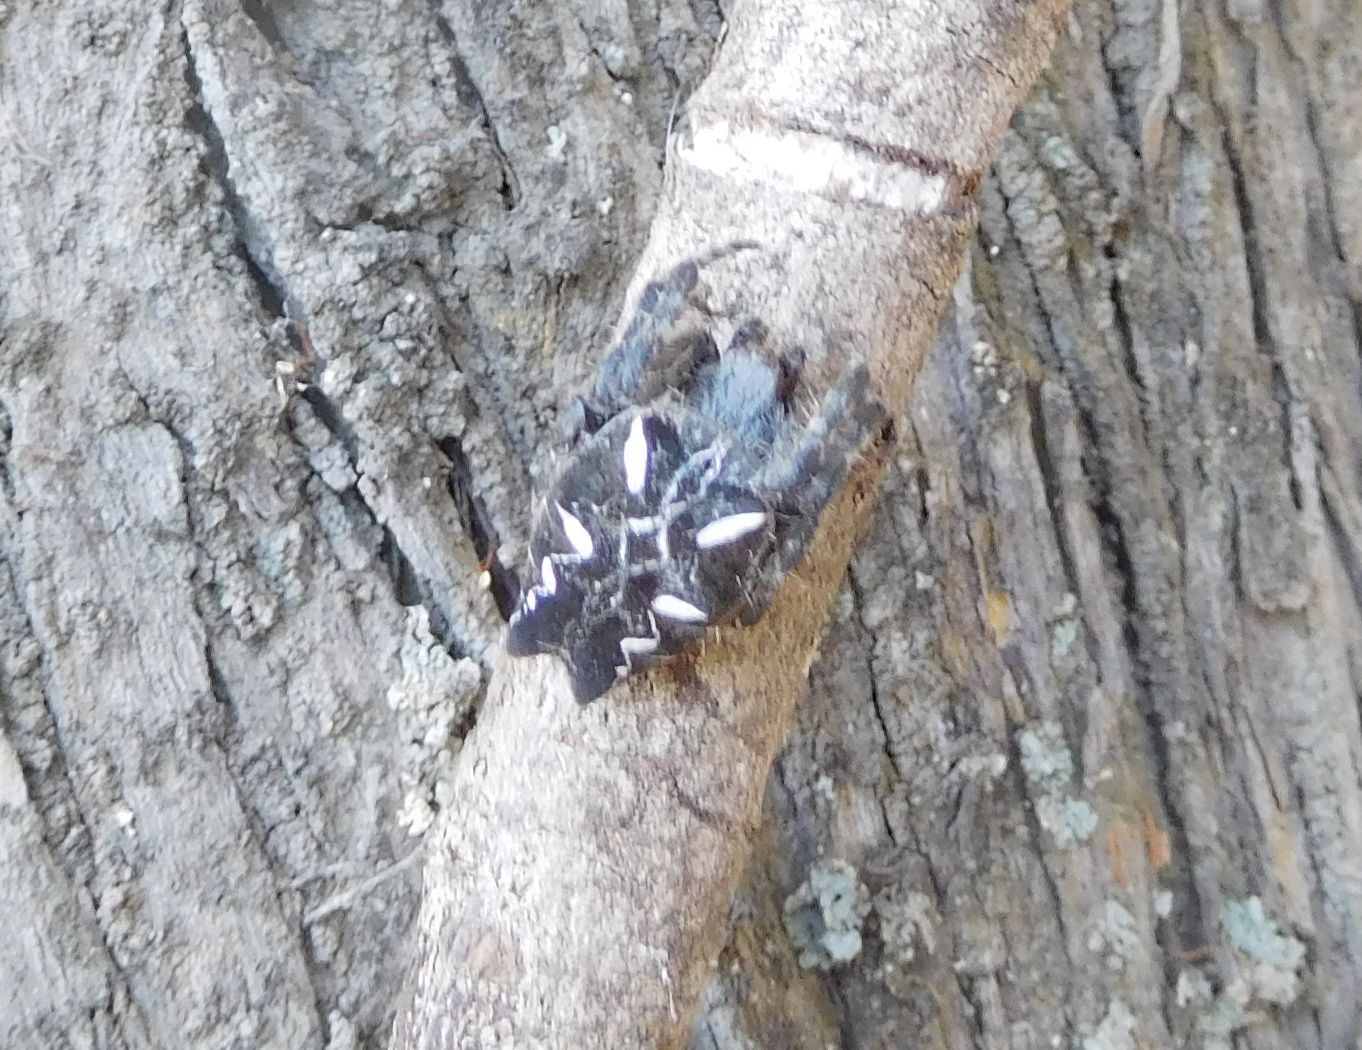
(578, 885)
(1078, 764)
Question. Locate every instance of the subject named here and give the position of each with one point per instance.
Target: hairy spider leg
(650, 351)
(652, 356)
(803, 476)
(742, 393)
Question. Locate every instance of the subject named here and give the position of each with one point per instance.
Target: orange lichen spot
(1158, 844)
(955, 651)
(1123, 845)
(998, 612)
(1284, 849)
(983, 532)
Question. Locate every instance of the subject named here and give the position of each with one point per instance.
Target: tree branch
(578, 886)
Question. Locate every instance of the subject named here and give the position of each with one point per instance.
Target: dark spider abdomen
(686, 511)
(645, 542)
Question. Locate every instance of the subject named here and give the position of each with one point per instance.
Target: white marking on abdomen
(674, 608)
(636, 457)
(730, 528)
(576, 533)
(632, 647)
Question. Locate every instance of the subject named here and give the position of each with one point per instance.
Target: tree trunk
(1079, 764)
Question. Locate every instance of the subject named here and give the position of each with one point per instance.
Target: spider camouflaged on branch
(689, 494)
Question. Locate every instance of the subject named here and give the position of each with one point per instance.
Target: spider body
(689, 495)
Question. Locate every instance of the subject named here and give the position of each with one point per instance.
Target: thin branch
(346, 897)
(578, 888)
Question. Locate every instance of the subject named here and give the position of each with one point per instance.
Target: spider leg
(578, 420)
(656, 351)
(808, 470)
(750, 337)
(788, 370)
(651, 345)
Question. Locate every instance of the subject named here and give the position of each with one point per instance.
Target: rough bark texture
(579, 885)
(1080, 762)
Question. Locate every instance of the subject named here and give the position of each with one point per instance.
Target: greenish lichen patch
(1115, 935)
(1045, 757)
(823, 917)
(1049, 769)
(1271, 976)
(1116, 1031)
(1064, 627)
(1276, 956)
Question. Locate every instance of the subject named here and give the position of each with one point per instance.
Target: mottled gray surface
(1086, 722)
(1091, 696)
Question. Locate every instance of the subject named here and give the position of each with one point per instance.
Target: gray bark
(1082, 748)
(579, 884)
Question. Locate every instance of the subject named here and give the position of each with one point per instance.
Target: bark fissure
(495, 404)
(858, 604)
(85, 872)
(1125, 339)
(260, 832)
(74, 855)
(477, 523)
(1138, 618)
(408, 588)
(510, 184)
(1342, 540)
(258, 13)
(272, 294)
(278, 301)
(1310, 104)
(228, 723)
(1143, 559)
(1049, 472)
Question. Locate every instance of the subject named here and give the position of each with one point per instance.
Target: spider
(688, 494)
